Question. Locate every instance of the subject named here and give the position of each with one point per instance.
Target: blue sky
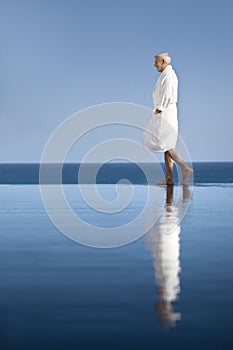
(58, 57)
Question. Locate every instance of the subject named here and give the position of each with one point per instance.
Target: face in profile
(159, 64)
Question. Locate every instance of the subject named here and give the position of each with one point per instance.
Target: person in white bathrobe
(161, 132)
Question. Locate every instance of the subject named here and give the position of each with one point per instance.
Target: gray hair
(164, 56)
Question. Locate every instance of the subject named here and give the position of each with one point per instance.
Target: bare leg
(187, 195)
(169, 170)
(186, 170)
(169, 197)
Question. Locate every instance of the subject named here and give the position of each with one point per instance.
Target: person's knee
(171, 153)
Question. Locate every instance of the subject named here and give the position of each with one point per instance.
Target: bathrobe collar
(166, 70)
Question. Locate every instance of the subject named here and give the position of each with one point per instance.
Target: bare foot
(186, 175)
(163, 182)
(168, 181)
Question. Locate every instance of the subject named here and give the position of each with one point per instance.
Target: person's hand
(157, 111)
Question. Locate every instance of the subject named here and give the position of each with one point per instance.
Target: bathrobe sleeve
(166, 91)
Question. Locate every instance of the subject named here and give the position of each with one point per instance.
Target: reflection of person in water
(166, 251)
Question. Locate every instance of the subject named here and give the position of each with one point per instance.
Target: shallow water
(155, 292)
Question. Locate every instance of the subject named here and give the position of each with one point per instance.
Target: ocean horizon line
(109, 173)
(112, 162)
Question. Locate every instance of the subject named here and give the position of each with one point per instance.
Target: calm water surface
(162, 291)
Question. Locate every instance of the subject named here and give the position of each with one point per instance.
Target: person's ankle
(169, 180)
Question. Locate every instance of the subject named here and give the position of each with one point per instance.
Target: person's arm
(165, 95)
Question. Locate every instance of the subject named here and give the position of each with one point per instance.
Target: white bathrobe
(161, 132)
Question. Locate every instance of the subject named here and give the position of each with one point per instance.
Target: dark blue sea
(170, 288)
(110, 173)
